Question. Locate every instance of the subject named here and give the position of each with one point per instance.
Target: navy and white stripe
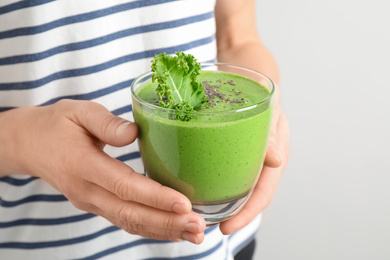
(92, 50)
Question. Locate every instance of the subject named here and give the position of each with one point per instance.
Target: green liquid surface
(216, 156)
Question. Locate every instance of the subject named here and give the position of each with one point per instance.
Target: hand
(275, 162)
(63, 144)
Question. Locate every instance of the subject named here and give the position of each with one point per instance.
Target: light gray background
(333, 201)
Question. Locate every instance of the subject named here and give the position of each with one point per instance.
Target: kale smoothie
(216, 154)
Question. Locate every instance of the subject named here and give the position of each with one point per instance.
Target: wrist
(11, 145)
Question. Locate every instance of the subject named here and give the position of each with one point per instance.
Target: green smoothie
(216, 156)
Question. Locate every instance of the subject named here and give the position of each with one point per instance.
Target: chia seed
(213, 96)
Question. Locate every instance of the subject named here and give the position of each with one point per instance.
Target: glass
(215, 158)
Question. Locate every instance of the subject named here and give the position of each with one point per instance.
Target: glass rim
(204, 113)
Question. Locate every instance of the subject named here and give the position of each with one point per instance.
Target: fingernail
(273, 158)
(122, 127)
(190, 237)
(192, 227)
(180, 208)
(175, 239)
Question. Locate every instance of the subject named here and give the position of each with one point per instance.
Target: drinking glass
(216, 157)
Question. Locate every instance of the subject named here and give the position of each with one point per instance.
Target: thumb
(105, 126)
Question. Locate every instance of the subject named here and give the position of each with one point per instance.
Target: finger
(134, 217)
(173, 235)
(284, 133)
(272, 157)
(128, 185)
(195, 239)
(108, 128)
(257, 202)
(145, 231)
(154, 236)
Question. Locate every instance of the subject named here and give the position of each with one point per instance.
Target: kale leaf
(178, 85)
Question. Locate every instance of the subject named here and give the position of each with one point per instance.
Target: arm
(237, 38)
(238, 43)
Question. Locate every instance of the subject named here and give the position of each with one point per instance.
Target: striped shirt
(92, 50)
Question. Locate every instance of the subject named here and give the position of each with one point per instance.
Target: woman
(69, 166)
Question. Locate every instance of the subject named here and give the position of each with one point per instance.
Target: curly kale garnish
(178, 85)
